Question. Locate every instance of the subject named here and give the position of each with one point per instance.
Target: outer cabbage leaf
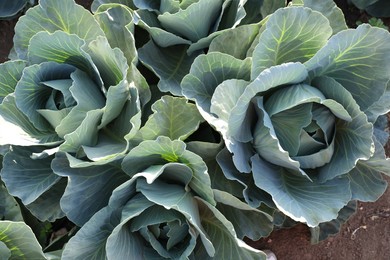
(326, 229)
(29, 178)
(306, 201)
(367, 183)
(358, 60)
(44, 17)
(94, 184)
(20, 241)
(237, 41)
(283, 41)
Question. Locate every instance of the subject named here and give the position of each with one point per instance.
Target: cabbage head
(296, 109)
(167, 210)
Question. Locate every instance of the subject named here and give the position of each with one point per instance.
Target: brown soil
(365, 236)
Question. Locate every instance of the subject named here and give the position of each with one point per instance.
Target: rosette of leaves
(181, 30)
(296, 110)
(167, 210)
(70, 88)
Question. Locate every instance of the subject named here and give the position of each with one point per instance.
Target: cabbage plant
(296, 109)
(181, 30)
(280, 114)
(65, 90)
(167, 210)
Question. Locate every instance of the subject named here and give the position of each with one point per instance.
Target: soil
(365, 236)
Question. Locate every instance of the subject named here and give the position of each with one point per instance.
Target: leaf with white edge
(303, 200)
(10, 73)
(162, 151)
(292, 34)
(94, 184)
(25, 177)
(170, 64)
(62, 48)
(359, 59)
(222, 234)
(51, 16)
(172, 117)
(247, 221)
(178, 172)
(353, 139)
(329, 9)
(367, 183)
(20, 240)
(207, 72)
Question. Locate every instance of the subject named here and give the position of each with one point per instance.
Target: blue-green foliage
(174, 129)
(376, 8)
